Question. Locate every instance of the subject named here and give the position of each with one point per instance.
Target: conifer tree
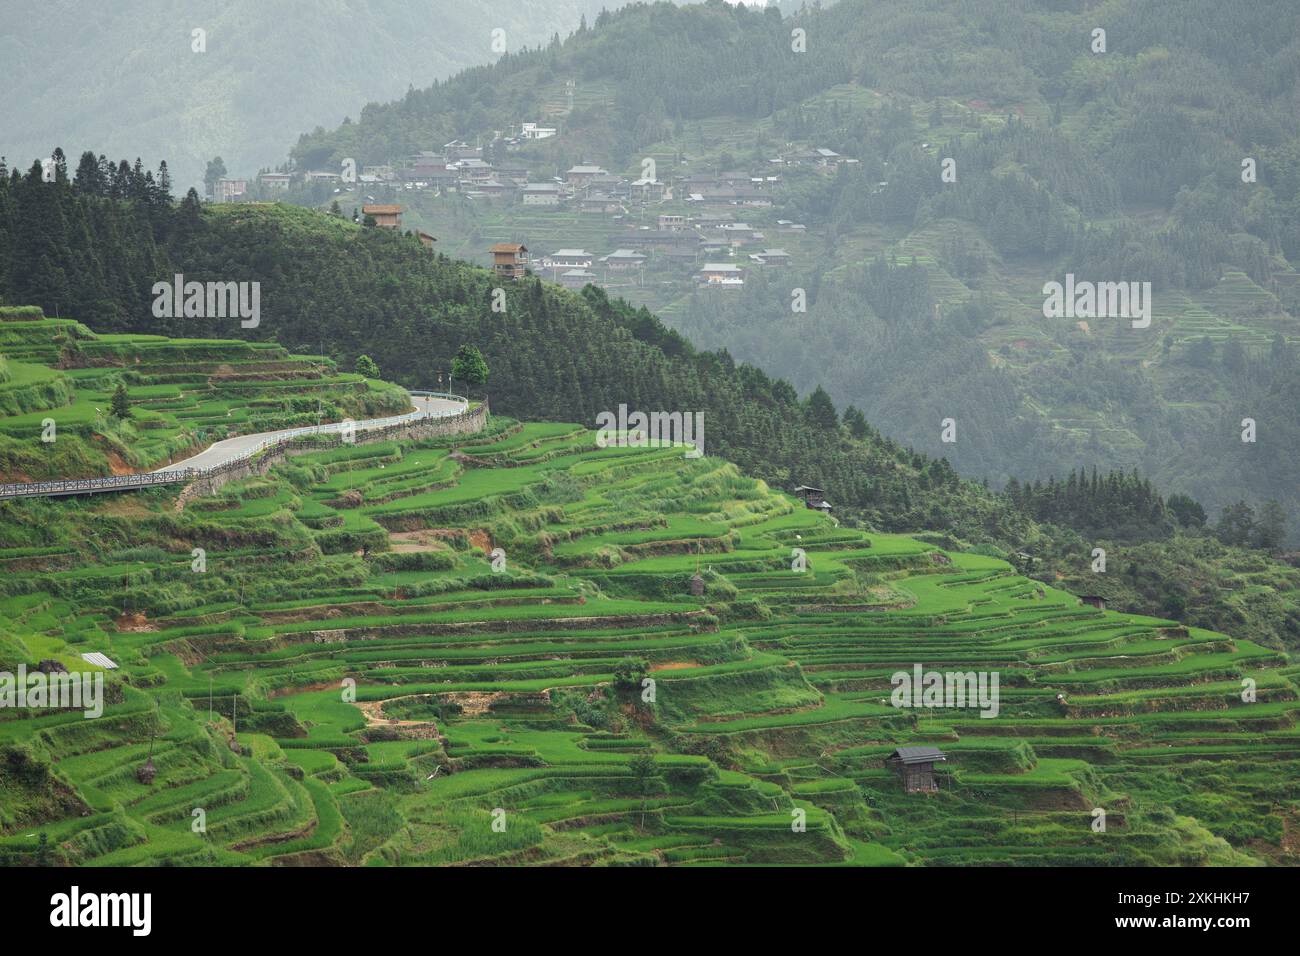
(121, 404)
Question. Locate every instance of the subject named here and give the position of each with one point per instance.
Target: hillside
(332, 286)
(924, 297)
(58, 380)
(127, 75)
(360, 677)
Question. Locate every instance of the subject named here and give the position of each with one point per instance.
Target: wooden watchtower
(509, 260)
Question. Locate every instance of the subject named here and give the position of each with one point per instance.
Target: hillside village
(691, 227)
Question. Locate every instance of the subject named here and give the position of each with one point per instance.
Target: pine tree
(821, 410)
(121, 406)
(164, 183)
(856, 422)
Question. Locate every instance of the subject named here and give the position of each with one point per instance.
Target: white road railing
(167, 476)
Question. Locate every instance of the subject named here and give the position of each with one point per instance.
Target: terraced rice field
(361, 677)
(184, 394)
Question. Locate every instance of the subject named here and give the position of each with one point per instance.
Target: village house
(598, 202)
(275, 181)
(493, 189)
(649, 239)
(458, 149)
(621, 260)
(609, 183)
(512, 174)
(568, 259)
(425, 164)
(577, 278)
(322, 176)
(679, 245)
(750, 196)
(738, 234)
(722, 274)
(230, 190)
(579, 176)
(648, 189)
(533, 131)
(509, 260)
(688, 250)
(385, 215)
(819, 157)
(697, 182)
(541, 194)
(426, 240)
(771, 257)
(672, 222)
(736, 196)
(473, 170)
(429, 174)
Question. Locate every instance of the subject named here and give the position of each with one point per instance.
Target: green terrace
(641, 674)
(184, 394)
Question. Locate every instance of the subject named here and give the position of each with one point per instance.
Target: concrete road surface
(221, 451)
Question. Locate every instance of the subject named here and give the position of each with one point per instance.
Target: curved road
(218, 452)
(426, 405)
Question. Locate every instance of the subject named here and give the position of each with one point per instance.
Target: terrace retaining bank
(464, 423)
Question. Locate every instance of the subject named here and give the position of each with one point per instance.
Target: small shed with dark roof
(813, 497)
(915, 765)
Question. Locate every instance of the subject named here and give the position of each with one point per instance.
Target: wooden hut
(915, 765)
(385, 215)
(1095, 600)
(813, 498)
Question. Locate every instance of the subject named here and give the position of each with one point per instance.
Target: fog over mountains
(123, 77)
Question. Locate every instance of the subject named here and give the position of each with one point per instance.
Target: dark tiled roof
(918, 754)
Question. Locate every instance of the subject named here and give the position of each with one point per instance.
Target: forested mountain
(126, 74)
(91, 245)
(1162, 152)
(330, 285)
